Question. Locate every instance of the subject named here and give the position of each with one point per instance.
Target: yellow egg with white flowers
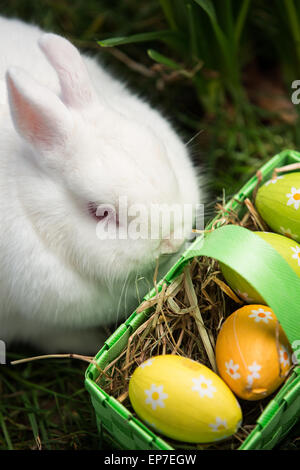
(184, 400)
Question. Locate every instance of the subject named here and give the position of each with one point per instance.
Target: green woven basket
(120, 427)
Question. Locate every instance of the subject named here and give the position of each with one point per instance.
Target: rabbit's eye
(92, 208)
(101, 212)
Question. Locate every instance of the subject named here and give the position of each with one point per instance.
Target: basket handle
(261, 266)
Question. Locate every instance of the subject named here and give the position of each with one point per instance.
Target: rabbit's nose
(171, 245)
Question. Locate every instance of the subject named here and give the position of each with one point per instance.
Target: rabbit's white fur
(70, 134)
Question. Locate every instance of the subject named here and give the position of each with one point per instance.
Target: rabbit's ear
(38, 114)
(77, 90)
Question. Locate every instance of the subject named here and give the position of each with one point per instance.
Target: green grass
(217, 40)
(45, 406)
(191, 59)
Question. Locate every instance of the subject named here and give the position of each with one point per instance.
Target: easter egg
(287, 248)
(184, 400)
(278, 203)
(253, 354)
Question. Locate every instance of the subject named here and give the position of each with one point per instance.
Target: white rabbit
(72, 137)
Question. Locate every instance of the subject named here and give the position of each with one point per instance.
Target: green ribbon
(261, 266)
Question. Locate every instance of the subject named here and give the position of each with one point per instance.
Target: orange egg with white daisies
(253, 353)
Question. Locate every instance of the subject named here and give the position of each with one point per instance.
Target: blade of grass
(162, 59)
(169, 37)
(294, 24)
(241, 20)
(134, 38)
(167, 8)
(208, 7)
(32, 420)
(192, 30)
(228, 17)
(5, 433)
(17, 377)
(41, 424)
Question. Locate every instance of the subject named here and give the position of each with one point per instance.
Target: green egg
(287, 248)
(278, 203)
